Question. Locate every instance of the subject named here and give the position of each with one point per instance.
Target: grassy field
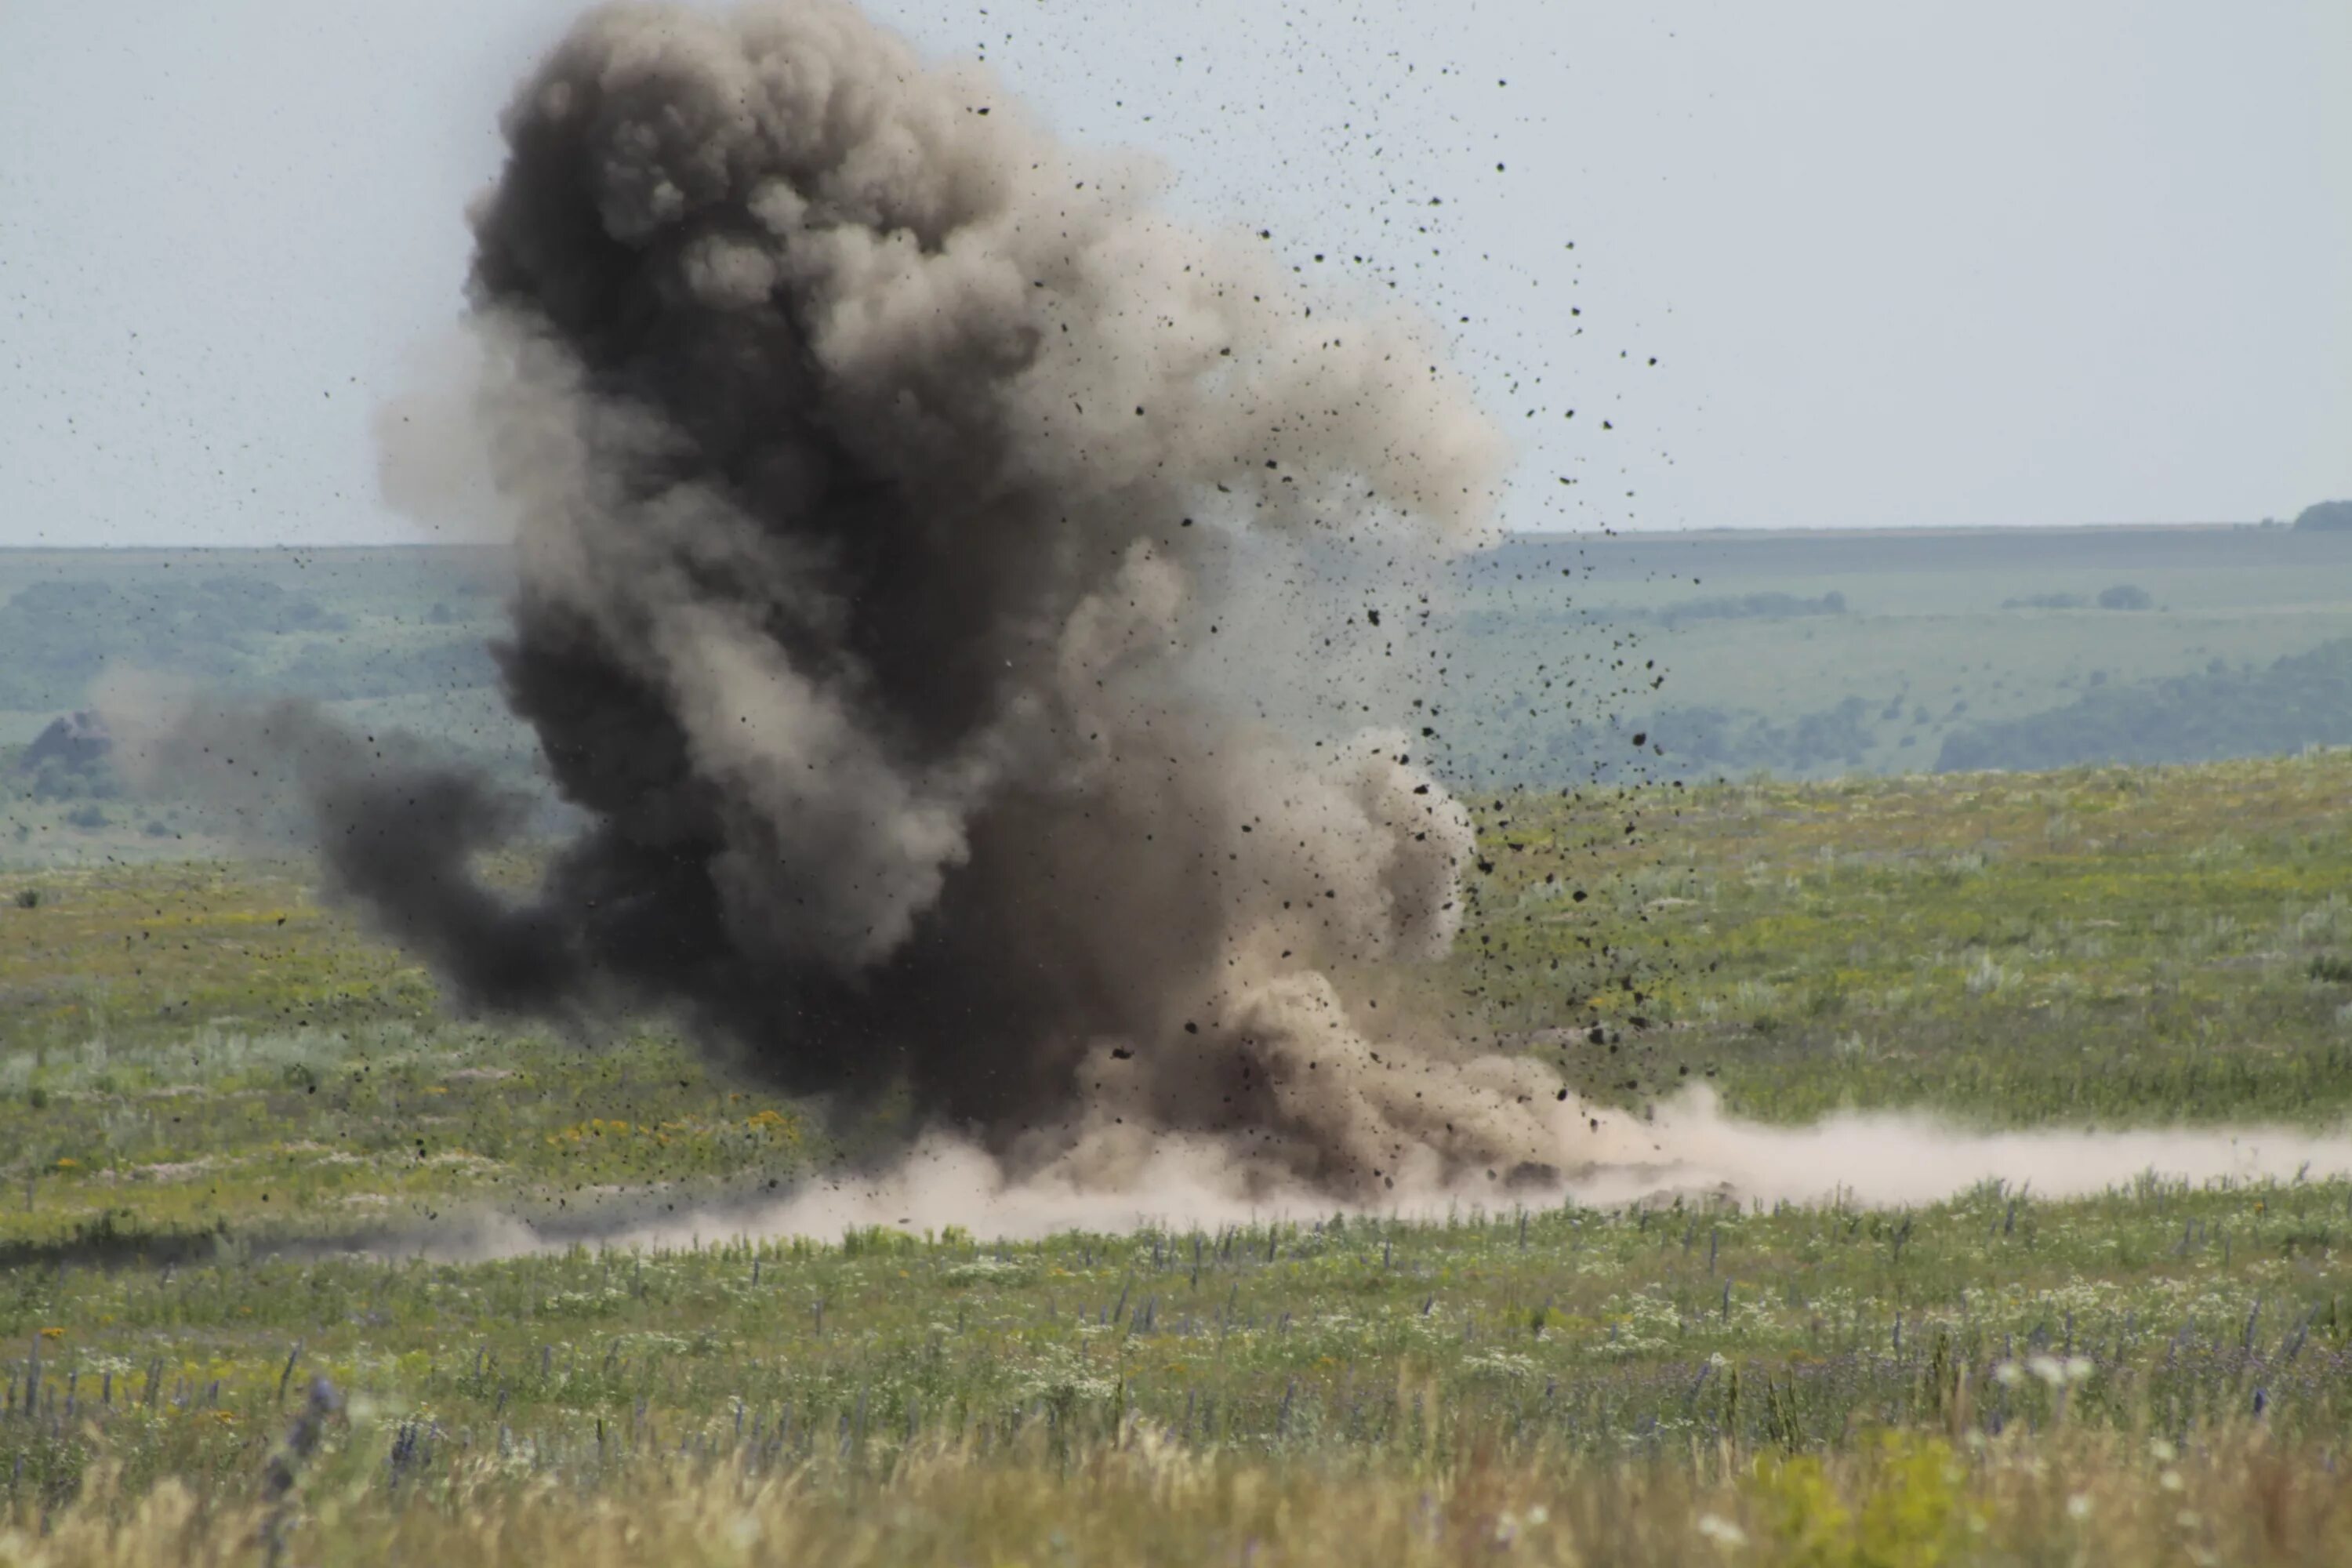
(2071, 1499)
(1971, 1382)
(206, 1072)
(2103, 947)
(2097, 946)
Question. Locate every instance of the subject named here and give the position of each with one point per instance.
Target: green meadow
(217, 1086)
(251, 1307)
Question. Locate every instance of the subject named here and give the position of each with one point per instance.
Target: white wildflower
(1722, 1532)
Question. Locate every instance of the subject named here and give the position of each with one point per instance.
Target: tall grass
(1629, 1335)
(1131, 1497)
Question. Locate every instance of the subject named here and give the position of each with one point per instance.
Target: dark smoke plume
(909, 520)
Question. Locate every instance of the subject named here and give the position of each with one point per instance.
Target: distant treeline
(2301, 701)
(1684, 742)
(2304, 700)
(2122, 596)
(57, 636)
(1740, 607)
(1709, 739)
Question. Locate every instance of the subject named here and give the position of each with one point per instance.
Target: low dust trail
(1883, 1159)
(1691, 1151)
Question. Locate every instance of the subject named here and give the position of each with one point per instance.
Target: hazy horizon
(419, 540)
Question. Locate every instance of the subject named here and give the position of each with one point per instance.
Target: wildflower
(52, 1334)
(2170, 1481)
(1722, 1532)
(2078, 1507)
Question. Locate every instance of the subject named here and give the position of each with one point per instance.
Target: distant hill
(240, 622)
(1726, 654)
(2305, 700)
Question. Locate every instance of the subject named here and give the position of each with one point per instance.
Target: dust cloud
(976, 618)
(1691, 1151)
(910, 522)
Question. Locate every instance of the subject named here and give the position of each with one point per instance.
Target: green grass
(2117, 947)
(194, 1047)
(1900, 1499)
(1612, 1334)
(204, 1067)
(2100, 946)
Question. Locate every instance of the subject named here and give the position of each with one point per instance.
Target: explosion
(948, 587)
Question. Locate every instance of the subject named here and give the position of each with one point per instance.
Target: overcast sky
(2000, 261)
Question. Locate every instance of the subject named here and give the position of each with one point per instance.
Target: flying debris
(855, 614)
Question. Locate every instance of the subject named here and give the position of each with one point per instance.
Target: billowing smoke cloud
(906, 510)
